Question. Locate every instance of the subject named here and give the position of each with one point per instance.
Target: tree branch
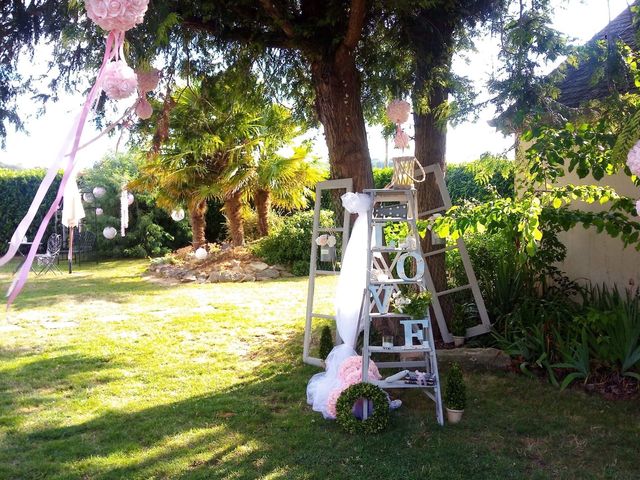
(243, 35)
(356, 24)
(277, 16)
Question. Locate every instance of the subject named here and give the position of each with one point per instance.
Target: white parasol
(72, 212)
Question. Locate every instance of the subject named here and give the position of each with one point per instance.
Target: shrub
(455, 395)
(291, 244)
(326, 342)
(17, 189)
(382, 177)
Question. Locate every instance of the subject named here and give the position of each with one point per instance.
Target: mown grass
(104, 375)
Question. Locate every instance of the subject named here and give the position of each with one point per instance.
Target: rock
(258, 266)
(286, 274)
(214, 277)
(248, 278)
(282, 268)
(267, 274)
(230, 276)
(188, 279)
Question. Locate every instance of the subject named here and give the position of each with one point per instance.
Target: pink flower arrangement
(633, 159)
(119, 80)
(349, 373)
(398, 111)
(121, 15)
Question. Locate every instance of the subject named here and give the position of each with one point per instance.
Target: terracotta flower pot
(454, 416)
(458, 341)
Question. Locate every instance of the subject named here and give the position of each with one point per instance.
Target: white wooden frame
(485, 324)
(341, 184)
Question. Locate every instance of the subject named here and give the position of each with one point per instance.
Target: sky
(579, 19)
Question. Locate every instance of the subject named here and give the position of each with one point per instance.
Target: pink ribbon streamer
(114, 44)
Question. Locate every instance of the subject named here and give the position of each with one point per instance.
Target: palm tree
(209, 128)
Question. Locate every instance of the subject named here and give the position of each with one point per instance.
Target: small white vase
(454, 416)
(458, 341)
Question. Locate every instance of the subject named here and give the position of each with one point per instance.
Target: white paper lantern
(331, 241)
(99, 192)
(99, 211)
(130, 198)
(88, 197)
(109, 233)
(177, 215)
(201, 253)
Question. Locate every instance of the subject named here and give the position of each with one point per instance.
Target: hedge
(17, 189)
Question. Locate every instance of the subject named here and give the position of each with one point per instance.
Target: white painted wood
(345, 184)
(378, 308)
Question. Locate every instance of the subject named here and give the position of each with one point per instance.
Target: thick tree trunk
(263, 205)
(337, 86)
(432, 54)
(197, 214)
(233, 212)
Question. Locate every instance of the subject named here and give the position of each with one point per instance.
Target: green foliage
(417, 306)
(152, 232)
(17, 189)
(481, 179)
(326, 342)
(382, 177)
(291, 244)
(455, 391)
(376, 421)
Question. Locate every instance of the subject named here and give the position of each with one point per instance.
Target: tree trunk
(263, 205)
(233, 211)
(433, 54)
(337, 86)
(197, 214)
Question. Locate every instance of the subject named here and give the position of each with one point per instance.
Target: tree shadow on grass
(37, 383)
(94, 285)
(253, 429)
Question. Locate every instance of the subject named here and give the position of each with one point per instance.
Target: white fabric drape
(350, 289)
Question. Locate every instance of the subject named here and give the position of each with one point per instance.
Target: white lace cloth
(350, 289)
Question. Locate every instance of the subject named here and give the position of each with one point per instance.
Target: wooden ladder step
(440, 250)
(454, 290)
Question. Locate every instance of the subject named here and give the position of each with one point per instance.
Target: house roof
(578, 84)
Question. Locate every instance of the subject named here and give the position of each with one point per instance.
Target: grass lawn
(106, 375)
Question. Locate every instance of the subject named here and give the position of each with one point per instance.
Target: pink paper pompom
(148, 80)
(121, 15)
(401, 140)
(398, 111)
(633, 159)
(638, 207)
(119, 80)
(144, 109)
(350, 371)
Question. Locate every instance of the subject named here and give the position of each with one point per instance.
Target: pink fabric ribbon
(114, 44)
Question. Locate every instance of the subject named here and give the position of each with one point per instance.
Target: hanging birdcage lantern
(404, 172)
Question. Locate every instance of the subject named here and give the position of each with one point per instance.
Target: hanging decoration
(99, 192)
(633, 162)
(115, 16)
(177, 215)
(99, 211)
(398, 112)
(124, 211)
(130, 198)
(88, 197)
(109, 233)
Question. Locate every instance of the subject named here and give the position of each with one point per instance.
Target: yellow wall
(596, 256)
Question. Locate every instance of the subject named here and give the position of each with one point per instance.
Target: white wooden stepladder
(343, 185)
(383, 279)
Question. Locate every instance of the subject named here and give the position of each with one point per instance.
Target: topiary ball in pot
(326, 342)
(455, 394)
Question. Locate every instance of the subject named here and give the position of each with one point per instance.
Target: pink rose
(96, 9)
(115, 8)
